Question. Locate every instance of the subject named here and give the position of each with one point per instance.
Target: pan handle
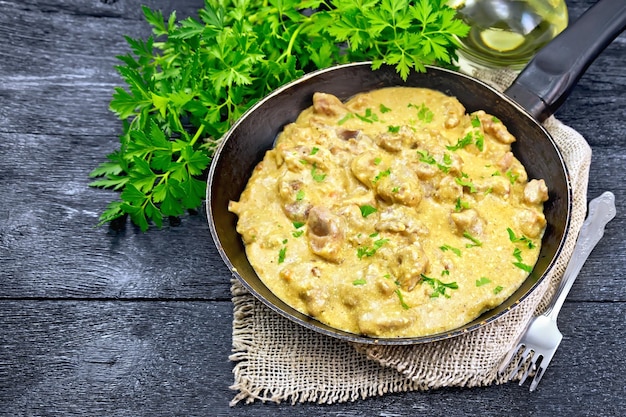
(549, 77)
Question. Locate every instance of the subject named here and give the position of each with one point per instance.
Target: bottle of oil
(507, 33)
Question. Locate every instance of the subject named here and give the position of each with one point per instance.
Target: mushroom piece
(408, 265)
(468, 221)
(530, 222)
(536, 192)
(494, 127)
(326, 233)
(448, 190)
(328, 105)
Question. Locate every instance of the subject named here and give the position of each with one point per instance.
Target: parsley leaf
(366, 210)
(282, 252)
(517, 254)
(317, 177)
(461, 143)
(475, 241)
(424, 114)
(482, 281)
(439, 287)
(466, 183)
(366, 251)
(401, 298)
(513, 238)
(187, 83)
(452, 249)
(381, 174)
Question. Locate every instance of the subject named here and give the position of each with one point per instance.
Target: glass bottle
(507, 33)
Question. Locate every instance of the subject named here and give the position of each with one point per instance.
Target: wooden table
(103, 322)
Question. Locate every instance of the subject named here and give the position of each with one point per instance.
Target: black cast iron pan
(537, 92)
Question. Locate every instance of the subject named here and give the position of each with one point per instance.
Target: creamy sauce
(395, 214)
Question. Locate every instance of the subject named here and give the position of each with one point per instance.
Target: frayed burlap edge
(278, 360)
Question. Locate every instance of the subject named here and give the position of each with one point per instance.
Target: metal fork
(542, 336)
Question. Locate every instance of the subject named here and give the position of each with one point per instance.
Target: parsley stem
(292, 41)
(196, 136)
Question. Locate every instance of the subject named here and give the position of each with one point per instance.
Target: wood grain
(112, 321)
(121, 358)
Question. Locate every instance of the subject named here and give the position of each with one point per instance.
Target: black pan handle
(549, 77)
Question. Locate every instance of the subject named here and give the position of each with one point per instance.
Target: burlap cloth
(278, 360)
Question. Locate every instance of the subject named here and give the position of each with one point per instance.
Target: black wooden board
(96, 321)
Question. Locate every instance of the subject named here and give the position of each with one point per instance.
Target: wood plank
(48, 218)
(100, 321)
(169, 358)
(57, 66)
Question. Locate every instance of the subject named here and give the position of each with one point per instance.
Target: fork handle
(601, 211)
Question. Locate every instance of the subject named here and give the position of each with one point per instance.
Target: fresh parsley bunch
(188, 83)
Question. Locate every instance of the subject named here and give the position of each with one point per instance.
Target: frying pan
(536, 93)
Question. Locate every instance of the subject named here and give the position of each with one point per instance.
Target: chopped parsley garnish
(512, 176)
(523, 239)
(401, 298)
(382, 174)
(475, 121)
(359, 282)
(300, 195)
(497, 289)
(447, 161)
(297, 225)
(393, 129)
(314, 150)
(377, 161)
(368, 117)
(439, 287)
(466, 183)
(452, 249)
(367, 251)
(424, 114)
(523, 266)
(426, 157)
(384, 109)
(462, 143)
(482, 281)
(282, 252)
(517, 254)
(316, 175)
(475, 137)
(480, 141)
(345, 118)
(475, 242)
(460, 205)
(366, 210)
